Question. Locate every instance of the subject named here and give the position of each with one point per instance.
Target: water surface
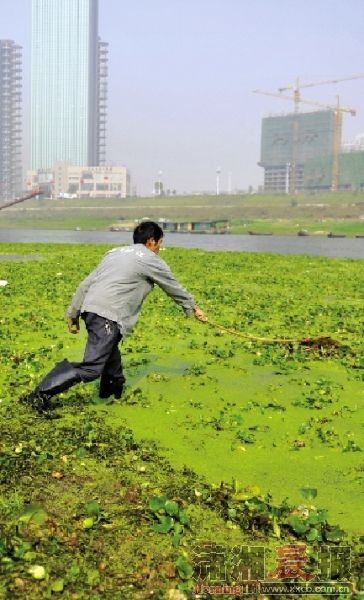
(278, 244)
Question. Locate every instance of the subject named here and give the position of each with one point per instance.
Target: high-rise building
(68, 84)
(102, 102)
(10, 119)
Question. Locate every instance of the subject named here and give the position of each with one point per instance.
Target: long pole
(17, 200)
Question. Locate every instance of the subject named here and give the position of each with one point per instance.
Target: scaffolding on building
(10, 119)
(283, 158)
(291, 176)
(317, 174)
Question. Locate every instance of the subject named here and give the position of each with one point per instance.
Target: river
(278, 244)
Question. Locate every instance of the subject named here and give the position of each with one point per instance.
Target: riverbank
(316, 214)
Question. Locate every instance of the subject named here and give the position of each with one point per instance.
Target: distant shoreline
(311, 214)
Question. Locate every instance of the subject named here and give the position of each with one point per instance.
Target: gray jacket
(117, 288)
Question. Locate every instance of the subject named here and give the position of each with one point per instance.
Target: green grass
(283, 226)
(201, 407)
(279, 214)
(284, 200)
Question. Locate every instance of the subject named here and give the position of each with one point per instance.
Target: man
(109, 301)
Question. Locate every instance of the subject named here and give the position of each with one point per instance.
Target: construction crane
(31, 194)
(296, 87)
(338, 112)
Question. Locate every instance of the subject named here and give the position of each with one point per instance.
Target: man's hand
(200, 315)
(73, 325)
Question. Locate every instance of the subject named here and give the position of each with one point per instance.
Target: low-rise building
(70, 181)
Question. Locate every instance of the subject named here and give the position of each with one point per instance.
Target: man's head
(149, 234)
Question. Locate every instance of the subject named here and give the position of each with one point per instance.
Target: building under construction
(10, 120)
(317, 174)
(288, 142)
(307, 141)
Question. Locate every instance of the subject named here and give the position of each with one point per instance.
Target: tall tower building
(10, 120)
(68, 84)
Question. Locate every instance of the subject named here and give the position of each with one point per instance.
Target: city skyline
(182, 73)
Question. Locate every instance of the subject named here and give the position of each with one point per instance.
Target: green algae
(215, 404)
(199, 427)
(269, 295)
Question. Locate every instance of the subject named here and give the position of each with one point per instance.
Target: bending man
(109, 301)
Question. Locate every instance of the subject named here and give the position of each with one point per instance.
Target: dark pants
(101, 358)
(102, 355)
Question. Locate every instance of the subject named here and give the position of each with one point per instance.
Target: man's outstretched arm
(159, 272)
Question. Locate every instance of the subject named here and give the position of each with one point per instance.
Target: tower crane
(338, 112)
(296, 87)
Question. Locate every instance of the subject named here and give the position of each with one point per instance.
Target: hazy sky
(181, 75)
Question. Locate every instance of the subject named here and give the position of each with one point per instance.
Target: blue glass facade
(64, 82)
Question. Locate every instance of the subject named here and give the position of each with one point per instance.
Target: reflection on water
(282, 244)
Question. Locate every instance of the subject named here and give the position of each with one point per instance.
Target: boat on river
(259, 233)
(208, 226)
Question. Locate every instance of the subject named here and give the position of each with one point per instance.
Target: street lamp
(218, 171)
(287, 182)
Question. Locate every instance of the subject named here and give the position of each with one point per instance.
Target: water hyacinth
(37, 571)
(76, 492)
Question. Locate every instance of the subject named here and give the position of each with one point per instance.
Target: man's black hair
(147, 230)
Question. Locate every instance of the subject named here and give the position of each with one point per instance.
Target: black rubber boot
(111, 386)
(62, 377)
